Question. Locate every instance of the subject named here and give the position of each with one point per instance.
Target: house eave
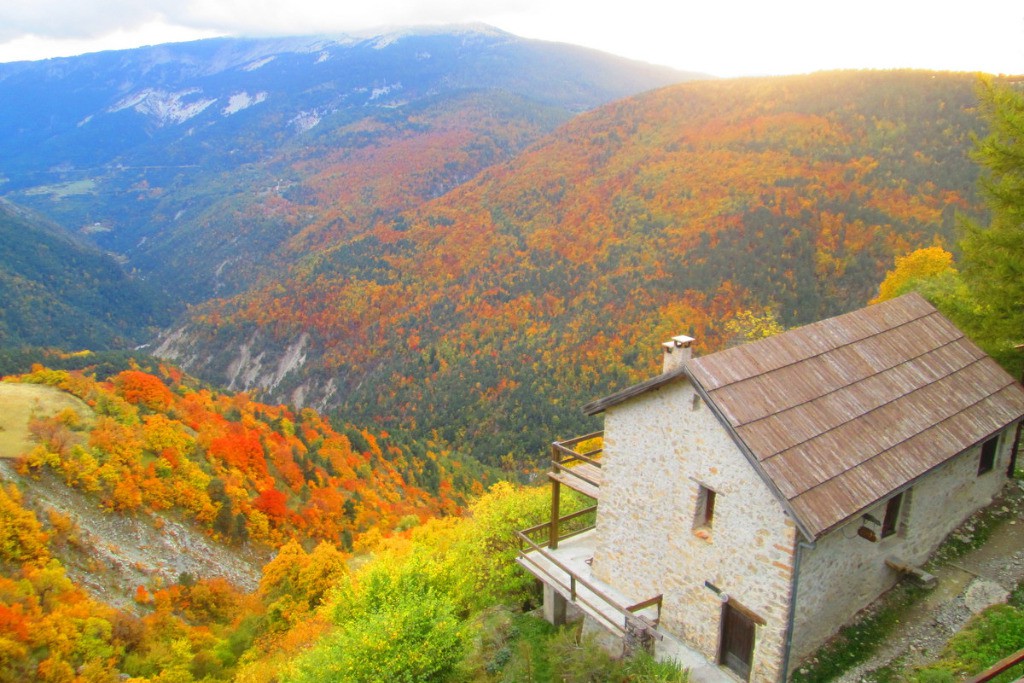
(602, 404)
(911, 483)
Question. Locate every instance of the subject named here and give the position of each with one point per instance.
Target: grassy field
(19, 403)
(61, 190)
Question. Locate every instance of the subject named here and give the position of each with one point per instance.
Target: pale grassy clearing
(59, 191)
(21, 402)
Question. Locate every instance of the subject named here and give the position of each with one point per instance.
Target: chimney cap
(676, 352)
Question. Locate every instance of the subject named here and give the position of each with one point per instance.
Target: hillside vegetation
(428, 605)
(245, 472)
(58, 289)
(152, 448)
(491, 313)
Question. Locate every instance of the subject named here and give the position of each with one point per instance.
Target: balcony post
(556, 487)
(554, 606)
(556, 490)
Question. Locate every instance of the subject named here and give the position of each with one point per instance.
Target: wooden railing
(999, 667)
(565, 458)
(528, 549)
(566, 530)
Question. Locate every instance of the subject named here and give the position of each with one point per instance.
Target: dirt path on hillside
(966, 585)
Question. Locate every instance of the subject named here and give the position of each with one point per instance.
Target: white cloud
(59, 19)
(724, 38)
(35, 46)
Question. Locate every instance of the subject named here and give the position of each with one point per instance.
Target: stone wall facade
(843, 573)
(664, 451)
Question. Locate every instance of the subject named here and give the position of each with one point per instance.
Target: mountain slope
(134, 529)
(492, 312)
(56, 289)
(161, 151)
(243, 472)
(338, 182)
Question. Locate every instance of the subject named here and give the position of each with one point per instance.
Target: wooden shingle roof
(841, 413)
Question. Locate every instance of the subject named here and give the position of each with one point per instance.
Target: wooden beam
(746, 611)
(921, 576)
(555, 513)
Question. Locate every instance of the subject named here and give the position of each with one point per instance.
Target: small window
(705, 508)
(988, 455)
(891, 521)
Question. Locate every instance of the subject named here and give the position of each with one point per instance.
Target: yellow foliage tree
(924, 264)
(22, 538)
(749, 326)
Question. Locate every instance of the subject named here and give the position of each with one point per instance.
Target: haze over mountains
(161, 151)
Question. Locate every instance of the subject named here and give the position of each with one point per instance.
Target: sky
(720, 37)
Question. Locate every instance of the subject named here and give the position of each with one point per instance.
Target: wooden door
(737, 647)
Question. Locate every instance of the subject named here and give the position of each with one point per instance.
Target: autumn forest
(332, 349)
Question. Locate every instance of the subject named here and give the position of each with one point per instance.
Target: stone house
(751, 501)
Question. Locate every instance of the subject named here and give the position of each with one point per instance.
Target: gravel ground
(967, 585)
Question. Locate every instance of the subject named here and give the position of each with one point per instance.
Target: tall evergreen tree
(993, 254)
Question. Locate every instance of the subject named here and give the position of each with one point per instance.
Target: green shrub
(644, 668)
(399, 627)
(411, 638)
(481, 561)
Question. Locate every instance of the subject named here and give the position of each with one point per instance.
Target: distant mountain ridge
(136, 148)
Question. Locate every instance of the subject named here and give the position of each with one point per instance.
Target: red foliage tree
(272, 502)
(141, 388)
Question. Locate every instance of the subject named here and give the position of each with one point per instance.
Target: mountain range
(178, 157)
(463, 233)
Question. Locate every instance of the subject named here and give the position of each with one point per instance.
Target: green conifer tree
(993, 254)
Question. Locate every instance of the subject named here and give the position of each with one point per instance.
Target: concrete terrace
(566, 569)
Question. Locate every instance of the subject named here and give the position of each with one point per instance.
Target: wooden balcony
(567, 571)
(580, 471)
(566, 568)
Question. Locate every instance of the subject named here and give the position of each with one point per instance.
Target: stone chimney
(676, 352)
